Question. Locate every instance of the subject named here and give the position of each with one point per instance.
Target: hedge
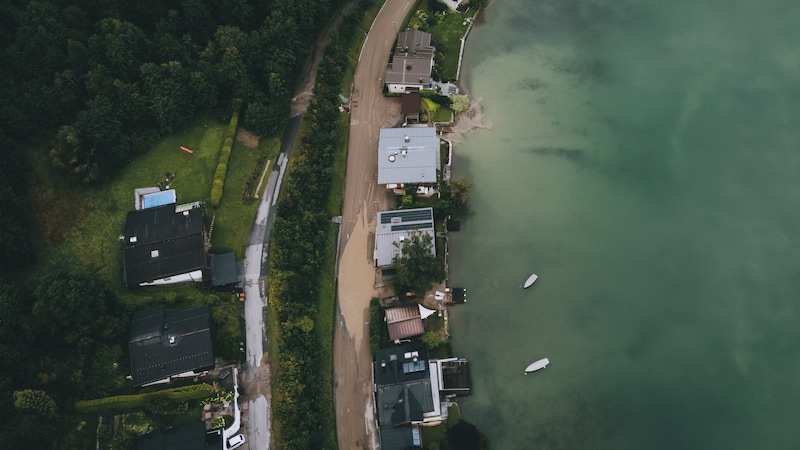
(138, 401)
(222, 165)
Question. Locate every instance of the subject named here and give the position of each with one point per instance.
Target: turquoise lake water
(644, 160)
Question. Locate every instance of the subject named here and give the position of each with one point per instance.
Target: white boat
(538, 365)
(529, 282)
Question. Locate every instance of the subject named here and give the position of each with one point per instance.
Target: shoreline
(471, 119)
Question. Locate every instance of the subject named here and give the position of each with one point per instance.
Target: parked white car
(235, 441)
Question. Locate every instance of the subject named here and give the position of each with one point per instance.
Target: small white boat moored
(529, 282)
(538, 365)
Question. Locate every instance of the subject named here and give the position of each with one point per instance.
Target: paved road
(257, 373)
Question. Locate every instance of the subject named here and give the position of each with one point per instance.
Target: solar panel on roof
(412, 226)
(407, 216)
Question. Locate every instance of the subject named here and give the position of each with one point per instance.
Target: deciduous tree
(417, 267)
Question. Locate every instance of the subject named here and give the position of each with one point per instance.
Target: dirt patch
(470, 119)
(247, 138)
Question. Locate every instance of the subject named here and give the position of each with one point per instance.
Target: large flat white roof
(408, 155)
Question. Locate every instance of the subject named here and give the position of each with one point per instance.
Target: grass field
(446, 36)
(87, 231)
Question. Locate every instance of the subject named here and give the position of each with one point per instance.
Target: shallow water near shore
(643, 160)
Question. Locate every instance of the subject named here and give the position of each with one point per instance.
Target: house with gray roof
(395, 227)
(408, 155)
(412, 62)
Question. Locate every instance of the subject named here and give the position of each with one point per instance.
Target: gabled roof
(395, 226)
(404, 322)
(403, 393)
(161, 243)
(412, 61)
(408, 155)
(403, 385)
(167, 342)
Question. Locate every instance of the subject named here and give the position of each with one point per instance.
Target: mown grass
(234, 217)
(446, 37)
(93, 241)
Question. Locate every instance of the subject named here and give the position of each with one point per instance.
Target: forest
(89, 85)
(98, 82)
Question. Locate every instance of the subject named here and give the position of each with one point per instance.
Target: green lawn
(446, 37)
(93, 241)
(234, 217)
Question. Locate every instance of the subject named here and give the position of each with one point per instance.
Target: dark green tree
(465, 436)
(417, 267)
(459, 192)
(76, 312)
(35, 402)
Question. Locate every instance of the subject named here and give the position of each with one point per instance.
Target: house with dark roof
(412, 62)
(394, 227)
(185, 437)
(167, 344)
(408, 155)
(224, 271)
(164, 245)
(404, 395)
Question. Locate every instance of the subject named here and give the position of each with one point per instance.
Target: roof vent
(404, 152)
(154, 254)
(133, 239)
(172, 341)
(407, 138)
(392, 157)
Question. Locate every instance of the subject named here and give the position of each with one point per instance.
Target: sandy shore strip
(470, 120)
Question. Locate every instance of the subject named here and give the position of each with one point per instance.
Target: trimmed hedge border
(138, 401)
(222, 166)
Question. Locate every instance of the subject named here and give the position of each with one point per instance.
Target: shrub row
(301, 396)
(137, 401)
(222, 165)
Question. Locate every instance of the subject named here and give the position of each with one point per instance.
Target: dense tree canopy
(416, 265)
(105, 79)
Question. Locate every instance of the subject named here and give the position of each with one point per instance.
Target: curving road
(370, 111)
(352, 359)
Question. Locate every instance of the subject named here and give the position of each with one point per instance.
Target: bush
(129, 402)
(222, 166)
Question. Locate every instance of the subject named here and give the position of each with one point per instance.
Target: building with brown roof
(412, 62)
(404, 322)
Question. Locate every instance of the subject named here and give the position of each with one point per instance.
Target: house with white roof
(408, 155)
